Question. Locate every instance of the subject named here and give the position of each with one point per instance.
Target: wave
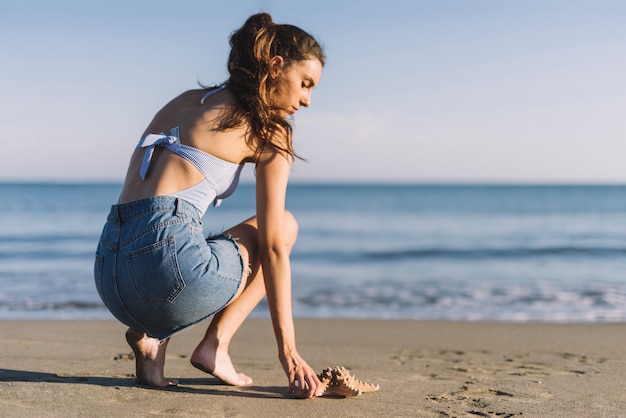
(31, 305)
(460, 253)
(34, 236)
(44, 255)
(587, 301)
(597, 302)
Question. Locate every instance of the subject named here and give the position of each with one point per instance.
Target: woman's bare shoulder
(193, 95)
(184, 101)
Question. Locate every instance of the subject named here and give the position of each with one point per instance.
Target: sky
(452, 91)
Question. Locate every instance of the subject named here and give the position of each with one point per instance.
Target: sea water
(447, 252)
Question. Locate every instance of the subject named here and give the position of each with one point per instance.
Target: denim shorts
(155, 271)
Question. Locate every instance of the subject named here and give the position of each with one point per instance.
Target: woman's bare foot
(217, 362)
(149, 358)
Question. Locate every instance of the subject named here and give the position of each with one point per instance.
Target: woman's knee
(247, 234)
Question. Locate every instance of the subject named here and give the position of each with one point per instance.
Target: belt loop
(116, 213)
(178, 211)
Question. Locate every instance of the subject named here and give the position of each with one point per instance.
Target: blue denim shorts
(155, 271)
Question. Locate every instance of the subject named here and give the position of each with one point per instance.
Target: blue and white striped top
(221, 177)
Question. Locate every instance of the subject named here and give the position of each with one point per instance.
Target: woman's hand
(301, 376)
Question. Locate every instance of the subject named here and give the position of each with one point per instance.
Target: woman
(154, 270)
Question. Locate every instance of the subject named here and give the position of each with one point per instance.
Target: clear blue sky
(413, 91)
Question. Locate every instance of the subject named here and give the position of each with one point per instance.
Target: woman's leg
(149, 358)
(211, 355)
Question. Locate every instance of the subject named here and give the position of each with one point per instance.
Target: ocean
(519, 253)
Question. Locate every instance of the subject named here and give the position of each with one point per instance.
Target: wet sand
(424, 369)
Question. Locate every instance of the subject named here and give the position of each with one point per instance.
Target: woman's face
(294, 84)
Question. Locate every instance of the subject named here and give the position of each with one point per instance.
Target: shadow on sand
(184, 385)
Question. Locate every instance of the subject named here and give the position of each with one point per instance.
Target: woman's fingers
(308, 384)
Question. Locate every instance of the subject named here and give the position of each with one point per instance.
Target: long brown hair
(252, 47)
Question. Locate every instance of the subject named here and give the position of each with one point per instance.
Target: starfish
(338, 381)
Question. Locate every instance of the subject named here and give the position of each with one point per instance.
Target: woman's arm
(272, 172)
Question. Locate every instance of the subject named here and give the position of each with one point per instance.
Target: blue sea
(446, 252)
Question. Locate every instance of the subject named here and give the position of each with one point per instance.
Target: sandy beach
(424, 369)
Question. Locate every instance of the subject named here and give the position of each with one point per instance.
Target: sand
(425, 369)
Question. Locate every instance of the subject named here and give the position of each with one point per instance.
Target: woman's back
(196, 122)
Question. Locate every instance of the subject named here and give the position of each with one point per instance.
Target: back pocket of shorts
(154, 272)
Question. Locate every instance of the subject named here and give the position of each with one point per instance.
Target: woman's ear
(276, 65)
